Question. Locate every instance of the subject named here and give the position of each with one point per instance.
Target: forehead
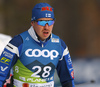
(45, 19)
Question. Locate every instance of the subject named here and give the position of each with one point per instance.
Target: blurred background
(77, 23)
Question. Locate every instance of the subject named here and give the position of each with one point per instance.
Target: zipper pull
(42, 45)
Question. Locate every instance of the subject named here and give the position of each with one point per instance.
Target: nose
(46, 26)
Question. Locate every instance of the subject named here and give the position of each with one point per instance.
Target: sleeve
(65, 68)
(9, 57)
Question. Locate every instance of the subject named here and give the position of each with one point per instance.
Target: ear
(32, 23)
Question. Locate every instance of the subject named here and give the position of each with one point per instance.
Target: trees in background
(77, 22)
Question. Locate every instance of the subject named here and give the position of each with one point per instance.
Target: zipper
(42, 45)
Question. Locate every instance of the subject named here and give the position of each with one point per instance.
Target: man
(36, 53)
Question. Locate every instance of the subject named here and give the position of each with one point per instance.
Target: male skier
(36, 53)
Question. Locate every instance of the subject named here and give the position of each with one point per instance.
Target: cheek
(51, 28)
(38, 30)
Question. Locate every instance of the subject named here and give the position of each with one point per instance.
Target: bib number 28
(46, 71)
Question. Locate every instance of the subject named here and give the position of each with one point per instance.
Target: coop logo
(45, 53)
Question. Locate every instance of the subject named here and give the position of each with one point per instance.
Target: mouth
(45, 33)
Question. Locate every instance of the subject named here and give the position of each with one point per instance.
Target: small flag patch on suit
(55, 40)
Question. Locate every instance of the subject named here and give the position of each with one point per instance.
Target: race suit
(34, 61)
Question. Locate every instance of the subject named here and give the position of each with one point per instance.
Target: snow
(86, 72)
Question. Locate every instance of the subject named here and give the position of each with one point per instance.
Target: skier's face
(43, 27)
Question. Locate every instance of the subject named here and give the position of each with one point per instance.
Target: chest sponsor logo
(45, 53)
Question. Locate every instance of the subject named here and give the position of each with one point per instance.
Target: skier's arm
(9, 57)
(65, 68)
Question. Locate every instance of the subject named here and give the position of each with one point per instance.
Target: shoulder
(63, 43)
(16, 40)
